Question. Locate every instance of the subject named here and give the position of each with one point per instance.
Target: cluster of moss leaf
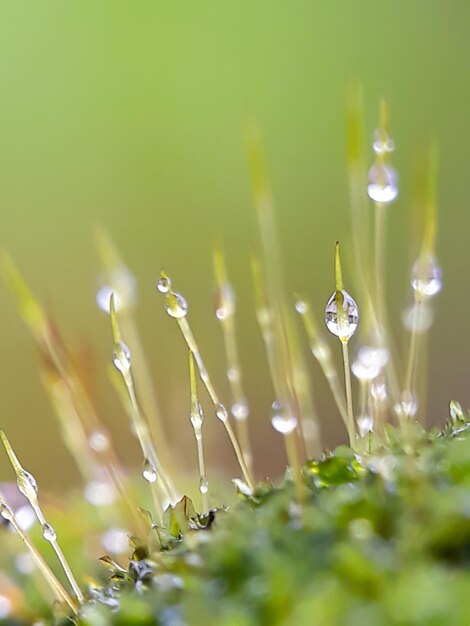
(383, 538)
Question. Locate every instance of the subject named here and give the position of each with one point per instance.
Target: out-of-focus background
(131, 115)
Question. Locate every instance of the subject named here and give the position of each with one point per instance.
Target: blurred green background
(131, 115)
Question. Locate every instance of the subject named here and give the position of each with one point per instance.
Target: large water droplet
(284, 424)
(149, 471)
(426, 276)
(224, 302)
(343, 326)
(383, 144)
(383, 187)
(221, 412)
(418, 317)
(122, 358)
(48, 533)
(164, 284)
(365, 424)
(240, 410)
(176, 305)
(364, 371)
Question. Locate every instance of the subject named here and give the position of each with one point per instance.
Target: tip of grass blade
(338, 272)
(114, 321)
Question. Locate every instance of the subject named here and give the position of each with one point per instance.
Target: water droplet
(379, 392)
(6, 512)
(98, 441)
(25, 517)
(224, 302)
(25, 563)
(48, 533)
(426, 276)
(27, 485)
(407, 406)
(233, 374)
(100, 493)
(284, 424)
(301, 307)
(203, 486)
(116, 540)
(240, 410)
(343, 326)
(242, 487)
(221, 412)
(382, 186)
(418, 317)
(164, 284)
(365, 424)
(6, 607)
(197, 420)
(120, 282)
(122, 358)
(149, 471)
(176, 305)
(371, 355)
(363, 371)
(383, 144)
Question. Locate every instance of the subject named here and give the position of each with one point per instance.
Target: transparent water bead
(100, 493)
(27, 485)
(149, 471)
(197, 419)
(379, 392)
(342, 328)
(116, 540)
(383, 144)
(224, 302)
(122, 283)
(164, 284)
(426, 276)
(284, 424)
(221, 412)
(365, 424)
(407, 406)
(418, 317)
(383, 184)
(48, 532)
(240, 410)
(98, 441)
(122, 358)
(365, 371)
(371, 355)
(301, 307)
(203, 486)
(176, 305)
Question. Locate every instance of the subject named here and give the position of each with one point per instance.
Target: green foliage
(383, 538)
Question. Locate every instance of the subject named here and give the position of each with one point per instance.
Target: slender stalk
(225, 309)
(347, 381)
(55, 585)
(27, 486)
(197, 418)
(322, 353)
(290, 440)
(221, 411)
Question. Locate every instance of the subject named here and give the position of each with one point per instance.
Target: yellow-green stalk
(197, 419)
(28, 487)
(177, 307)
